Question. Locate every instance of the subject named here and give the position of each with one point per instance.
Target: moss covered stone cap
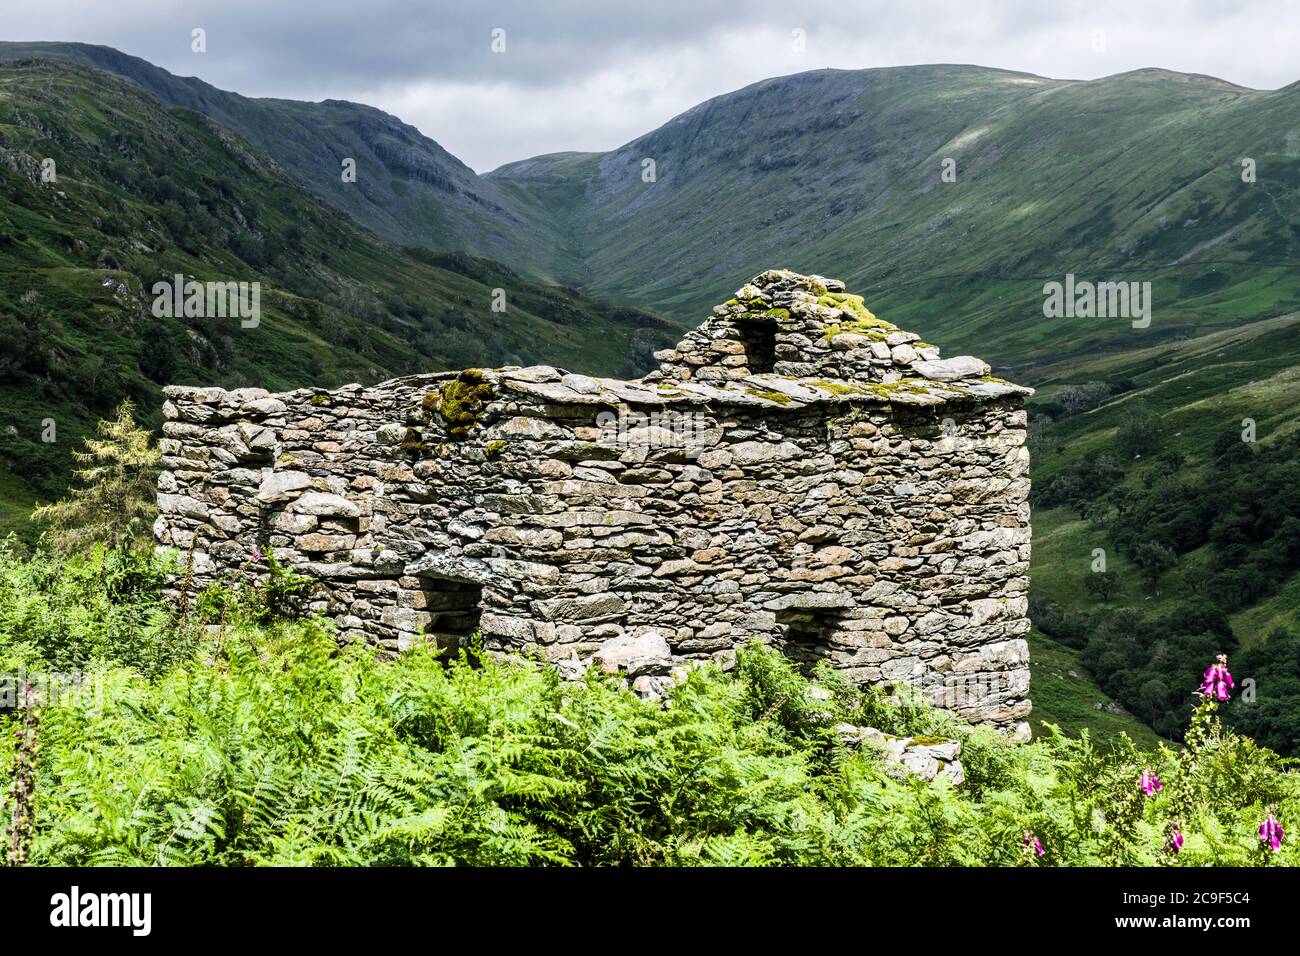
(785, 327)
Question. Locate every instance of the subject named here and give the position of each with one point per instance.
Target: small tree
(1140, 431)
(1153, 559)
(114, 498)
(1100, 585)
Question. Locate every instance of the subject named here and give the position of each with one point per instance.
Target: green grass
(1254, 624)
(1064, 695)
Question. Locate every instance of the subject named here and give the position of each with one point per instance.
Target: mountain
(142, 193)
(408, 189)
(1132, 177)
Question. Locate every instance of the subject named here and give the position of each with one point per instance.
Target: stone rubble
(924, 757)
(796, 471)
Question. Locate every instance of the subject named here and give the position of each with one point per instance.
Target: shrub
(65, 613)
(1140, 431)
(114, 502)
(278, 748)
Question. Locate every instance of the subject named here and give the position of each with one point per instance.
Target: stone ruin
(796, 471)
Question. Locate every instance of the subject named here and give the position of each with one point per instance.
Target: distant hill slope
(1135, 177)
(1132, 177)
(143, 193)
(408, 189)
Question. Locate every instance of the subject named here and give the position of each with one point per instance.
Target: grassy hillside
(1067, 697)
(408, 189)
(1133, 177)
(143, 193)
(1197, 526)
(1200, 389)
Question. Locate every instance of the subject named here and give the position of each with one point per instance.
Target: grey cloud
(591, 75)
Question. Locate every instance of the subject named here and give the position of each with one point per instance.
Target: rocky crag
(796, 471)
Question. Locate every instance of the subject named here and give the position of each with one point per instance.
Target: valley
(1135, 179)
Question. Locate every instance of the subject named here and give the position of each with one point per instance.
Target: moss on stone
(494, 448)
(459, 402)
(846, 388)
(319, 399)
(840, 328)
(882, 390)
(864, 318)
(781, 398)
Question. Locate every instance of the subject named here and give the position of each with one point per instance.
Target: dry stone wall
(858, 501)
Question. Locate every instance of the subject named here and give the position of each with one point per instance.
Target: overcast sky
(593, 75)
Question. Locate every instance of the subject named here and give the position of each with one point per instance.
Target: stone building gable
(859, 501)
(788, 325)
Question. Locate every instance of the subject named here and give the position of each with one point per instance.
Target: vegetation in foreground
(233, 736)
(219, 730)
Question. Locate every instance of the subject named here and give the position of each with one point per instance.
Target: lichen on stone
(459, 402)
(882, 390)
(864, 317)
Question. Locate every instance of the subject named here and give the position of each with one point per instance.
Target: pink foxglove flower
(1149, 783)
(1217, 681)
(257, 553)
(1032, 844)
(1270, 832)
(1175, 841)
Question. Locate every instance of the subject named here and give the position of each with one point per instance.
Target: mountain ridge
(581, 219)
(409, 189)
